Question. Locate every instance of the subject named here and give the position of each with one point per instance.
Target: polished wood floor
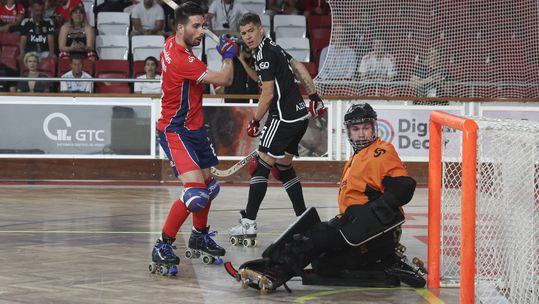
(91, 244)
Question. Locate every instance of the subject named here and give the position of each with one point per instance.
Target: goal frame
(469, 127)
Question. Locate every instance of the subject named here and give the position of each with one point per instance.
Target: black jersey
(37, 34)
(273, 63)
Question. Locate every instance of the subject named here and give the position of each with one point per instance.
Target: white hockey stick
(209, 33)
(235, 168)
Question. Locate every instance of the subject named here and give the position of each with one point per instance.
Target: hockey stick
(210, 34)
(235, 168)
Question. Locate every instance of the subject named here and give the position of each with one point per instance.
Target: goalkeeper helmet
(359, 114)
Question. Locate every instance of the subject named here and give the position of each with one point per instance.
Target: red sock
(176, 216)
(200, 219)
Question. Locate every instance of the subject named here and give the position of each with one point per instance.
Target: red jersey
(181, 101)
(65, 12)
(8, 15)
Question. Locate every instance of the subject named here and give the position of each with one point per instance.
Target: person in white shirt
(148, 18)
(150, 66)
(76, 72)
(378, 64)
(224, 15)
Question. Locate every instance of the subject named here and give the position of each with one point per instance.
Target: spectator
(37, 33)
(377, 65)
(429, 75)
(77, 36)
(315, 7)
(11, 15)
(244, 83)
(6, 71)
(113, 6)
(147, 18)
(76, 72)
(31, 60)
(63, 10)
(224, 14)
(150, 66)
(286, 7)
(338, 52)
(50, 9)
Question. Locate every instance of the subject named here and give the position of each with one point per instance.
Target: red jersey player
(183, 137)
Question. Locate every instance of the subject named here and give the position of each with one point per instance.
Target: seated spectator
(315, 7)
(63, 10)
(77, 36)
(338, 52)
(31, 60)
(245, 78)
(224, 15)
(150, 66)
(11, 15)
(113, 6)
(377, 65)
(76, 72)
(7, 86)
(147, 18)
(277, 7)
(37, 33)
(429, 75)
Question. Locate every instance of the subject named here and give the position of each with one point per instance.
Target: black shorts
(279, 137)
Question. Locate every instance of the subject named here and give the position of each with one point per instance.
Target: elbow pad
(401, 188)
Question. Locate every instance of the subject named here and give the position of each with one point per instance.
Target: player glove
(316, 106)
(253, 129)
(227, 46)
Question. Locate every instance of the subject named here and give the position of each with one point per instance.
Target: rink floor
(92, 244)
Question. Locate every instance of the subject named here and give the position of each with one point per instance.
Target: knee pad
(195, 198)
(213, 188)
(258, 167)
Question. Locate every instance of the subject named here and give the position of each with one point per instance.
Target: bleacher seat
(266, 23)
(9, 39)
(112, 69)
(293, 26)
(64, 67)
(89, 9)
(138, 68)
(10, 62)
(298, 48)
(147, 45)
(255, 6)
(211, 52)
(113, 23)
(112, 47)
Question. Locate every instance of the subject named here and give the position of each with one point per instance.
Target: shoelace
(167, 249)
(208, 238)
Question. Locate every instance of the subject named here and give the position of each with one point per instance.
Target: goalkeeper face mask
(360, 122)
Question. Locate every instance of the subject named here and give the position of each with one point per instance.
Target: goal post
(483, 230)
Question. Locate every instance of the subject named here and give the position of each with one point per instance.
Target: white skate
(244, 233)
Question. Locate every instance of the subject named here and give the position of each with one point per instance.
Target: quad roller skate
(202, 245)
(411, 273)
(259, 275)
(244, 233)
(164, 261)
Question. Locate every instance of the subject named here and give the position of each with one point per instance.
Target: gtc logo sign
(62, 134)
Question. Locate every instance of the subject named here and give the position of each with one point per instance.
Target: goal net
(507, 210)
(432, 48)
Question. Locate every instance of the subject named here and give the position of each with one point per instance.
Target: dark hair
(151, 58)
(76, 56)
(38, 2)
(249, 18)
(186, 10)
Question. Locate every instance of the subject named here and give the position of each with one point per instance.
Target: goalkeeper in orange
(366, 232)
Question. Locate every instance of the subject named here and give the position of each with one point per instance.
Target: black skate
(164, 261)
(261, 275)
(202, 244)
(409, 273)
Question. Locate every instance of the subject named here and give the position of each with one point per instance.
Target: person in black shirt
(37, 33)
(243, 82)
(7, 86)
(285, 125)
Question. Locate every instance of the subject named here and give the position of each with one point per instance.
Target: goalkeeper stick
(235, 168)
(210, 34)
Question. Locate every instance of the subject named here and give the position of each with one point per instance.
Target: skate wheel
(264, 291)
(418, 262)
(152, 267)
(246, 243)
(163, 270)
(188, 254)
(234, 241)
(254, 243)
(207, 260)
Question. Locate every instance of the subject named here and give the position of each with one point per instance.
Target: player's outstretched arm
(303, 76)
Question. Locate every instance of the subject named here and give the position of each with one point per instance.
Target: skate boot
(244, 233)
(264, 275)
(164, 261)
(202, 245)
(409, 273)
